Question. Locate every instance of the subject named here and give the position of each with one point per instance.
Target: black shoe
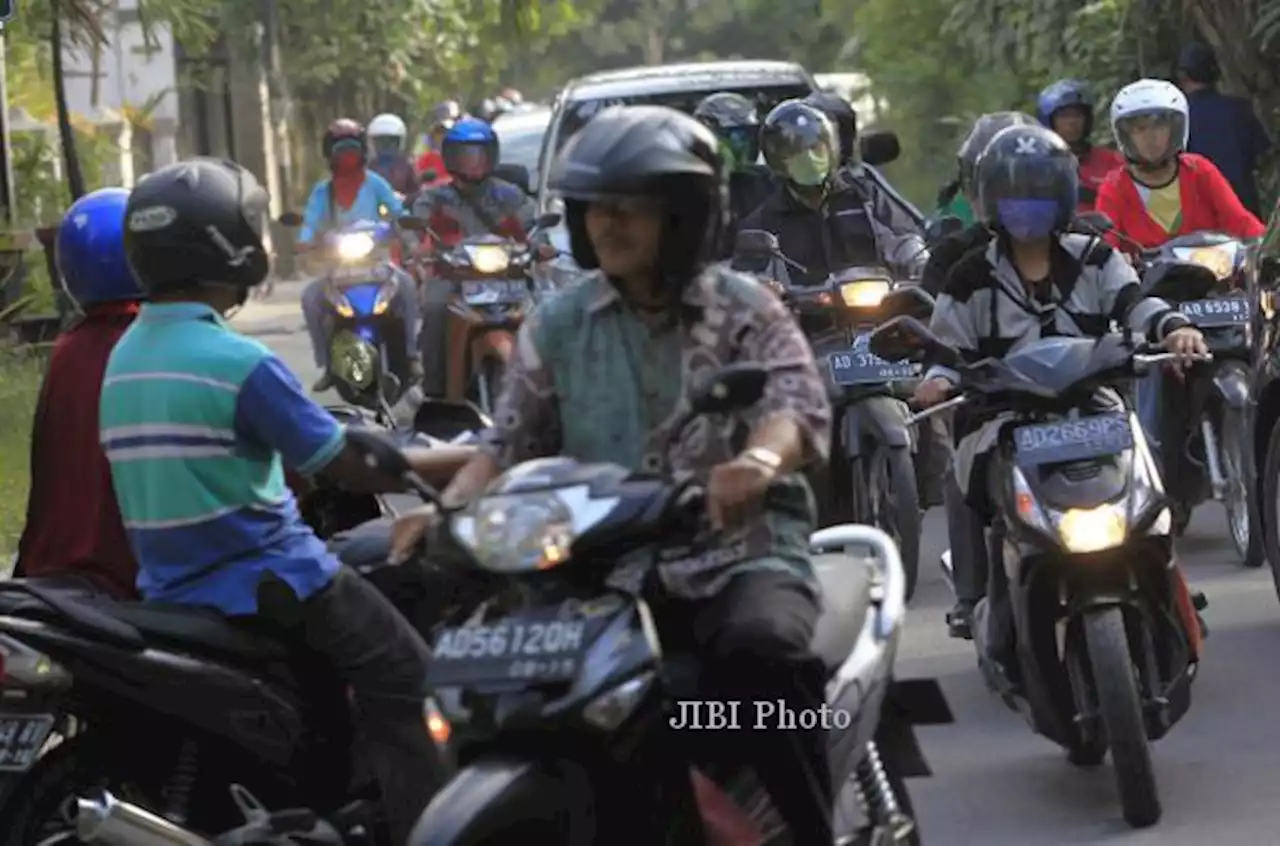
(1198, 600)
(960, 620)
(324, 383)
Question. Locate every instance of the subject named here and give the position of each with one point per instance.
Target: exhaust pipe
(106, 820)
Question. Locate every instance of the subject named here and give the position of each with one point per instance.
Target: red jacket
(432, 160)
(1208, 203)
(73, 521)
(1095, 166)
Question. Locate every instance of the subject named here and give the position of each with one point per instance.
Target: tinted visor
(742, 141)
(385, 145)
(794, 138)
(471, 161)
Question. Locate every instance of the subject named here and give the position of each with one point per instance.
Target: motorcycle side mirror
(411, 223)
(291, 220)
(905, 338)
(1096, 221)
(730, 388)
(756, 242)
(942, 227)
(909, 301)
(378, 452)
(548, 220)
(879, 148)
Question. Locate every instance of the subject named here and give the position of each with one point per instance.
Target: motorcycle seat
(202, 631)
(846, 598)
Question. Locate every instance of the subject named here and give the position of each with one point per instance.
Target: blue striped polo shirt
(196, 420)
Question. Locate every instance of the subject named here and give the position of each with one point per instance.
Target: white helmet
(387, 125)
(1150, 97)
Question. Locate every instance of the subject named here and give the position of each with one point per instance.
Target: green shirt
(591, 380)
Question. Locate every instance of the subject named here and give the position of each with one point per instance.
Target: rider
(351, 194)
(1162, 193)
(1033, 280)
(592, 379)
(431, 169)
(197, 420)
(824, 222)
(475, 202)
(387, 133)
(1066, 107)
(852, 169)
(69, 473)
(736, 122)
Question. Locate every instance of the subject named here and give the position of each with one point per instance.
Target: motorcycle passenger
(1162, 193)
(208, 514)
(431, 169)
(74, 530)
(390, 161)
(1066, 107)
(592, 379)
(475, 202)
(824, 222)
(736, 122)
(1033, 280)
(351, 194)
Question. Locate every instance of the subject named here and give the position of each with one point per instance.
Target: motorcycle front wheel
(894, 505)
(1245, 537)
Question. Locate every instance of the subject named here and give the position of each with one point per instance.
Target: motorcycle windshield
(1053, 366)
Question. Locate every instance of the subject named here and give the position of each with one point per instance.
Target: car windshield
(577, 113)
(520, 144)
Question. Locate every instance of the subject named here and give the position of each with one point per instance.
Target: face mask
(730, 157)
(347, 160)
(810, 168)
(1027, 220)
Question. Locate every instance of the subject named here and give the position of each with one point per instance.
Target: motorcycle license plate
(859, 366)
(534, 645)
(1072, 440)
(494, 291)
(22, 737)
(1226, 311)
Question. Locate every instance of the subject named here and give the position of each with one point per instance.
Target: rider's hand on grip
(409, 530)
(930, 392)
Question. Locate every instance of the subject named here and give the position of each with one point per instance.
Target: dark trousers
(357, 631)
(754, 640)
(433, 336)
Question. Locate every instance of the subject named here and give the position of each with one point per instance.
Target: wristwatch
(766, 458)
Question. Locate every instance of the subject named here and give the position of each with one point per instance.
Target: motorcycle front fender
(878, 418)
(1231, 383)
(496, 343)
(488, 797)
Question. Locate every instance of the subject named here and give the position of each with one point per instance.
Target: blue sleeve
(391, 199)
(313, 215)
(273, 408)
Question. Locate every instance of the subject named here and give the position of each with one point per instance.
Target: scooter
(568, 681)
(1087, 630)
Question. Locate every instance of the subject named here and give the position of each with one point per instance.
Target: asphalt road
(994, 782)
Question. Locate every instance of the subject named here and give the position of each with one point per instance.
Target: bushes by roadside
(20, 375)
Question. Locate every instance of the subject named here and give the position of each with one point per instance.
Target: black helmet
(842, 114)
(736, 121)
(800, 143)
(1198, 62)
(975, 143)
(196, 222)
(648, 151)
(1028, 184)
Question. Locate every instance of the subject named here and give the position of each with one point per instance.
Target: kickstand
(265, 828)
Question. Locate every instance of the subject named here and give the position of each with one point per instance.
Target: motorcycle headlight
(1093, 529)
(1220, 259)
(385, 294)
(489, 258)
(354, 246)
(339, 301)
(520, 534)
(865, 293)
(611, 708)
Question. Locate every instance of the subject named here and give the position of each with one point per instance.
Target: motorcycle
(1200, 274)
(868, 393)
(368, 354)
(493, 290)
(1097, 649)
(569, 684)
(133, 723)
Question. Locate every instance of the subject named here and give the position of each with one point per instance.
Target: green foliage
(20, 376)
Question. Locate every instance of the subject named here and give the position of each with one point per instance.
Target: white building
(136, 70)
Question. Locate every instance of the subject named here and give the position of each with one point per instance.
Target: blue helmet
(1063, 94)
(90, 250)
(470, 150)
